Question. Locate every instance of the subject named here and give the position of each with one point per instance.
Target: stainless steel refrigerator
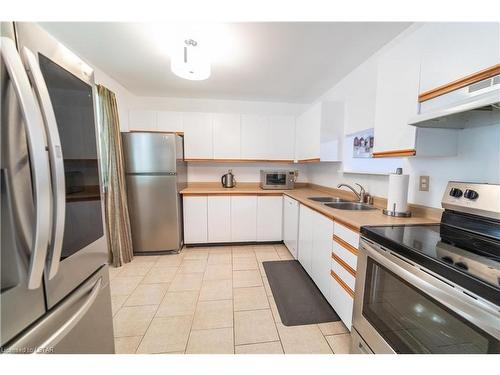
(55, 294)
(156, 172)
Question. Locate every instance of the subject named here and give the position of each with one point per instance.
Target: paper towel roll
(397, 197)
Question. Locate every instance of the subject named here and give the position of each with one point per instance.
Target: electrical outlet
(423, 184)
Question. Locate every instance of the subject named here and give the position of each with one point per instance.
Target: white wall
(244, 172)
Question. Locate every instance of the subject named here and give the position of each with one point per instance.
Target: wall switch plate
(423, 183)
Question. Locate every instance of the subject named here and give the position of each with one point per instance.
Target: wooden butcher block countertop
(350, 218)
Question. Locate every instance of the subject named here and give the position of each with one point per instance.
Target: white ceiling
(286, 62)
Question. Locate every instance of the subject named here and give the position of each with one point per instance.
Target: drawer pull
(342, 284)
(345, 245)
(347, 267)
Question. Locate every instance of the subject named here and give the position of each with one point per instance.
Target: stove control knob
(456, 192)
(471, 194)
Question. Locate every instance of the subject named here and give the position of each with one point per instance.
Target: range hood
(475, 105)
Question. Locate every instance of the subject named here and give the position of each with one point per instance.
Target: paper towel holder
(393, 212)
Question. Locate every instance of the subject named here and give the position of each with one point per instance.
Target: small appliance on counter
(228, 180)
(277, 180)
(397, 197)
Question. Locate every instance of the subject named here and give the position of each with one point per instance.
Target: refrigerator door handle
(38, 157)
(56, 161)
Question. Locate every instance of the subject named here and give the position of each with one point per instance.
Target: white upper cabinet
(227, 136)
(397, 95)
(281, 138)
(169, 121)
(319, 132)
(160, 121)
(359, 92)
(140, 120)
(254, 145)
(398, 82)
(455, 50)
(198, 135)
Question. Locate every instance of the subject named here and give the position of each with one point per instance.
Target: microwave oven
(277, 179)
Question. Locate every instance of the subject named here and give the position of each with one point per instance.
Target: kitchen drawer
(349, 236)
(342, 302)
(343, 273)
(346, 255)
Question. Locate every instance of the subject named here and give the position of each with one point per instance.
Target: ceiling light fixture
(190, 61)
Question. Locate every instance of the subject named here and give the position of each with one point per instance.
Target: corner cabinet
(319, 133)
(398, 83)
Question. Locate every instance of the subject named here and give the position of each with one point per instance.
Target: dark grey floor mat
(298, 299)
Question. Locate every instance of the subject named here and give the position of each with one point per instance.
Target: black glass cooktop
(465, 257)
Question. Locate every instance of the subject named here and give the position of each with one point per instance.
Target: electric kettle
(228, 180)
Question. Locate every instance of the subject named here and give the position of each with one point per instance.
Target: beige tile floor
(210, 300)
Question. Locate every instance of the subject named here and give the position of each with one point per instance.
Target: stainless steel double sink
(342, 204)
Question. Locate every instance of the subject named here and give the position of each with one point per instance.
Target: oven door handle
(56, 161)
(40, 170)
(479, 313)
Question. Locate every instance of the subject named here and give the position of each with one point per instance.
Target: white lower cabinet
(315, 247)
(219, 219)
(233, 218)
(269, 218)
(291, 225)
(305, 238)
(322, 229)
(243, 218)
(195, 220)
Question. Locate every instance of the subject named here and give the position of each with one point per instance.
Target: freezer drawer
(155, 215)
(81, 324)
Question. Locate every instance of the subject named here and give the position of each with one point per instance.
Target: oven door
(64, 87)
(400, 308)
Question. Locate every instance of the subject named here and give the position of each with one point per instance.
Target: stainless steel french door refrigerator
(55, 294)
(155, 172)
